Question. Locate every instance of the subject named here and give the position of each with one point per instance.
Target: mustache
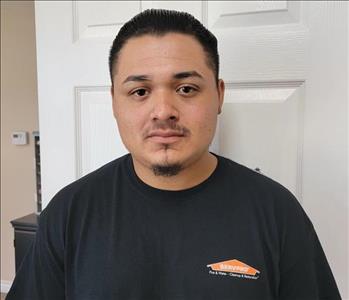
(167, 125)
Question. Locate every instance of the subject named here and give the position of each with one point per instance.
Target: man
(172, 220)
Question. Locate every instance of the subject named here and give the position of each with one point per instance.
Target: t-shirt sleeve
(304, 270)
(41, 274)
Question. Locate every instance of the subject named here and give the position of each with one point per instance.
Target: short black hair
(159, 22)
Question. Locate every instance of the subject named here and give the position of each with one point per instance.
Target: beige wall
(19, 111)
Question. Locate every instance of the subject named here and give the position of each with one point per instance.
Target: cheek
(130, 124)
(204, 122)
(126, 126)
(124, 123)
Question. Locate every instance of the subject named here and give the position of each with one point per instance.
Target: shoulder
(251, 180)
(85, 189)
(262, 193)
(98, 178)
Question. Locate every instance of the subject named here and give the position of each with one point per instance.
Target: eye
(187, 90)
(141, 92)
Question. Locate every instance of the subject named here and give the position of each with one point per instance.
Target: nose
(164, 108)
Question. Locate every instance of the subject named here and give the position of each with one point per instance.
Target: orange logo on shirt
(235, 268)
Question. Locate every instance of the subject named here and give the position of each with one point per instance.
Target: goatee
(166, 170)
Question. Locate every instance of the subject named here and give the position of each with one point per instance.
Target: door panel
(262, 129)
(263, 53)
(102, 20)
(97, 140)
(224, 14)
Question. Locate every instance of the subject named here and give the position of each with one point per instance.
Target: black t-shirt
(237, 235)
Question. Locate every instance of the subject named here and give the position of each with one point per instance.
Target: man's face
(165, 100)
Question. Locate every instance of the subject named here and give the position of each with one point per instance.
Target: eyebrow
(187, 74)
(181, 75)
(140, 78)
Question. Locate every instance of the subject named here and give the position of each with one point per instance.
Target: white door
(284, 63)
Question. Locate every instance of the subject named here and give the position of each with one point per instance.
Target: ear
(113, 100)
(220, 89)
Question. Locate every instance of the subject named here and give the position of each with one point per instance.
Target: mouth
(165, 137)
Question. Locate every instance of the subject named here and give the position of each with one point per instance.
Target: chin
(167, 157)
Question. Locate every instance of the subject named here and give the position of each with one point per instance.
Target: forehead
(171, 52)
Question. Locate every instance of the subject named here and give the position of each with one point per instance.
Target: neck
(188, 177)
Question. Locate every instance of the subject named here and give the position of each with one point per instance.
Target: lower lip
(165, 139)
